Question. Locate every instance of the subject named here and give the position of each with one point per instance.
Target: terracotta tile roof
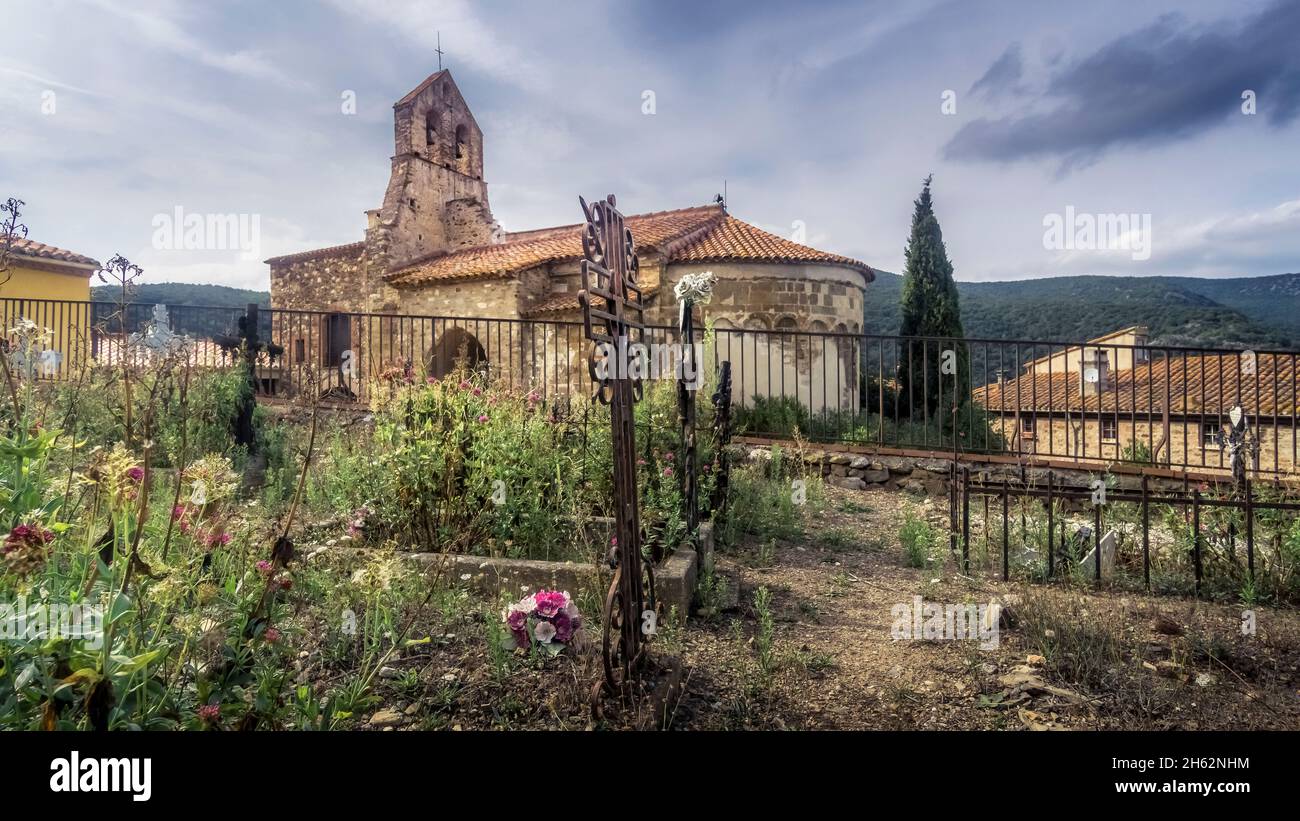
(39, 250)
(529, 249)
(200, 352)
(561, 303)
(352, 249)
(1197, 384)
(736, 239)
(700, 234)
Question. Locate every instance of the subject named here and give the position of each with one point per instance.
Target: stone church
(435, 265)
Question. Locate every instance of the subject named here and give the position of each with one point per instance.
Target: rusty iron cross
(612, 310)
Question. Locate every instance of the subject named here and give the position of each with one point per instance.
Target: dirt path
(835, 664)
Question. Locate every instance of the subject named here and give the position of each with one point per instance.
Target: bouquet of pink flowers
(548, 617)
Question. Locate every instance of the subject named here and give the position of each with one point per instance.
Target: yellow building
(51, 287)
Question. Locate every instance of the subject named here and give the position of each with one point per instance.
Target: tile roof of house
(560, 303)
(698, 234)
(352, 249)
(1196, 384)
(39, 250)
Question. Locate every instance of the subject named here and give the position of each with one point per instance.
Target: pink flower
(135, 474)
(516, 620)
(178, 512)
(265, 568)
(286, 583)
(477, 391)
(464, 385)
(613, 540)
(25, 535)
(482, 417)
(25, 549)
(668, 471)
(210, 712)
(550, 602)
(271, 635)
(668, 456)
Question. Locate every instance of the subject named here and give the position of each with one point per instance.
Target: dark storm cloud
(1166, 82)
(1003, 76)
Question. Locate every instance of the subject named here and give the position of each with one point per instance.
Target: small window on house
(1210, 433)
(1109, 429)
(1027, 426)
(1141, 353)
(299, 351)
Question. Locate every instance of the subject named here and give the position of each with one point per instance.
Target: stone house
(436, 276)
(1113, 396)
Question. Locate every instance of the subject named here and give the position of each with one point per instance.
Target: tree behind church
(930, 309)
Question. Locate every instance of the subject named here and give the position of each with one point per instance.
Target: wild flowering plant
(359, 521)
(202, 514)
(548, 620)
(26, 549)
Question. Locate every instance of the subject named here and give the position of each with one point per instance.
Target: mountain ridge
(1249, 312)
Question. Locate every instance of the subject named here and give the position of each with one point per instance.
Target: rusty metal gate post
(721, 439)
(612, 308)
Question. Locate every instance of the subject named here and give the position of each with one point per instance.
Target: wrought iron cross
(612, 309)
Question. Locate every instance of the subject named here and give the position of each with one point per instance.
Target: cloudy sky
(820, 116)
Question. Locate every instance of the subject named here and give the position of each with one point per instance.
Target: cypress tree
(930, 309)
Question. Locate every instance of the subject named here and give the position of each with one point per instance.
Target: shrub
(918, 539)
(469, 467)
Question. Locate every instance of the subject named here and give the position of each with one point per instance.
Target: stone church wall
(762, 314)
(321, 283)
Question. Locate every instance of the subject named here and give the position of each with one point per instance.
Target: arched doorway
(456, 346)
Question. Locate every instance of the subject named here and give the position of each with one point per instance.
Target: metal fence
(1092, 402)
(1247, 525)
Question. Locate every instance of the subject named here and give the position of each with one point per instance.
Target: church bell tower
(436, 201)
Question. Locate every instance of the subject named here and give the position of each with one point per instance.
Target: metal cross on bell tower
(612, 311)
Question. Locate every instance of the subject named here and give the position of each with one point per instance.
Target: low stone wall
(929, 476)
(675, 578)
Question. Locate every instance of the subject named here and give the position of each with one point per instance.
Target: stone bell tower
(436, 200)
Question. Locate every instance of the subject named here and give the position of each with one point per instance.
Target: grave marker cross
(612, 310)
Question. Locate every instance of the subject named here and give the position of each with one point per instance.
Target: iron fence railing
(1105, 401)
(1242, 536)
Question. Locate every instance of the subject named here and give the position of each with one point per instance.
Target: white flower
(697, 288)
(544, 632)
